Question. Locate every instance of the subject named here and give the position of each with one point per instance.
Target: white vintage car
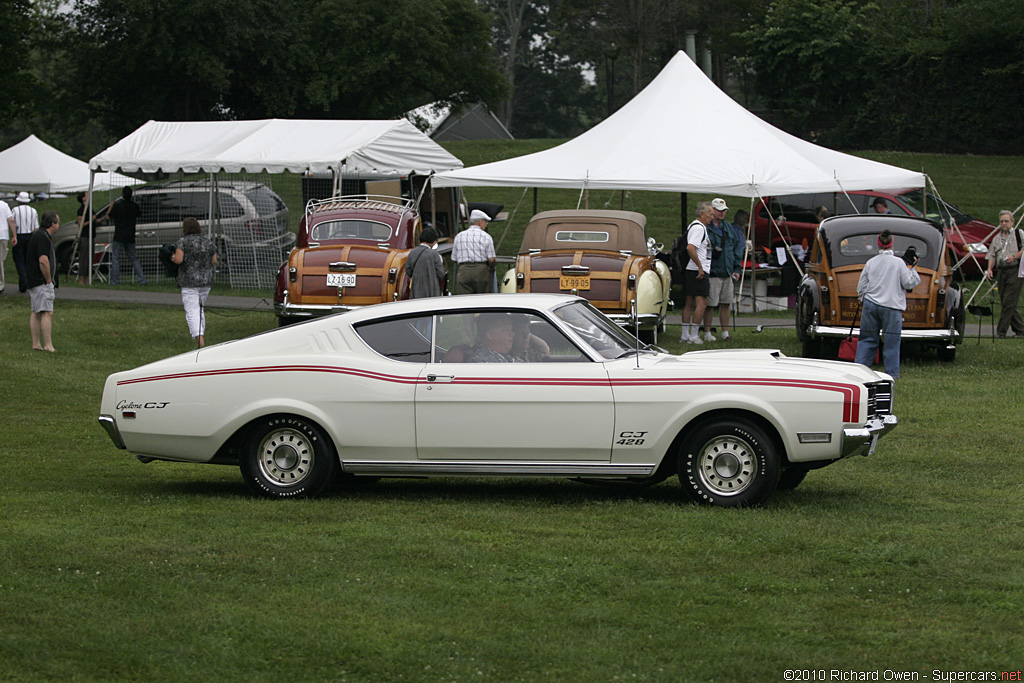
(538, 385)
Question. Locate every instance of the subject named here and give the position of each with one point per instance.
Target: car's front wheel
(287, 457)
(729, 462)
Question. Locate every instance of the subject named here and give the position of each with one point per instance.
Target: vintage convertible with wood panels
(601, 255)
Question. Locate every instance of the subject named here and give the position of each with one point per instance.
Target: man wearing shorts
(727, 244)
(696, 274)
(40, 276)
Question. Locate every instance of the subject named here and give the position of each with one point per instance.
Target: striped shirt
(26, 218)
(472, 246)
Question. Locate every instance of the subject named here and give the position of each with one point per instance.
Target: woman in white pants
(196, 256)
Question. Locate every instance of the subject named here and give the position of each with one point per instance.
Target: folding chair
(981, 312)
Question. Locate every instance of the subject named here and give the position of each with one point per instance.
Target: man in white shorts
(696, 274)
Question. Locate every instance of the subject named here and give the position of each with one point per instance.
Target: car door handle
(440, 378)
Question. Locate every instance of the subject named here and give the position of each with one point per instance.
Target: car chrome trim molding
(831, 331)
(626, 320)
(861, 440)
(309, 310)
(496, 468)
(109, 424)
(851, 392)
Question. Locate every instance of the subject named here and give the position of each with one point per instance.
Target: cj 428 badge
(630, 439)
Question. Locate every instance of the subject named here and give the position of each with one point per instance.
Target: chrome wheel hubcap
(286, 457)
(727, 465)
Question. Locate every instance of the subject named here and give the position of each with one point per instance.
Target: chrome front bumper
(862, 440)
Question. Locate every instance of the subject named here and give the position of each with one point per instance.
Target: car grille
(880, 398)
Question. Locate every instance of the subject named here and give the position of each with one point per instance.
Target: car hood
(738, 361)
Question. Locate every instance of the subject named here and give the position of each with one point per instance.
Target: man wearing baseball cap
(726, 260)
(473, 251)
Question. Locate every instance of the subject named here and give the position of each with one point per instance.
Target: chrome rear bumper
(110, 426)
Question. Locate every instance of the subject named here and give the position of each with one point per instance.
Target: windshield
(601, 334)
(937, 209)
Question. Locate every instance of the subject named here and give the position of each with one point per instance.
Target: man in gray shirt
(882, 289)
(425, 267)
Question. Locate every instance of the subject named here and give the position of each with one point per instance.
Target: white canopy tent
(683, 134)
(34, 166)
(365, 149)
(277, 146)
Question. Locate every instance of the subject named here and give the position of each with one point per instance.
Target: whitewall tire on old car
(287, 457)
(729, 462)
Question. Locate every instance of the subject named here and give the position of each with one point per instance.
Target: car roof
(837, 228)
(626, 229)
(205, 185)
(455, 303)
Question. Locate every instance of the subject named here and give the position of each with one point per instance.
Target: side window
(229, 206)
(149, 207)
(403, 339)
(502, 337)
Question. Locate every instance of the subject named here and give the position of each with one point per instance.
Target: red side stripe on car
(850, 392)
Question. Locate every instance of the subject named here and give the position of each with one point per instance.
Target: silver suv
(250, 228)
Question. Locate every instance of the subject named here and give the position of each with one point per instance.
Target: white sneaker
(696, 340)
(710, 337)
(725, 335)
(685, 338)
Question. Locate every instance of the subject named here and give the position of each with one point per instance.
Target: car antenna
(636, 326)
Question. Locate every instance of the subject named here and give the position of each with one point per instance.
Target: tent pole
(682, 213)
(89, 234)
(535, 201)
(209, 205)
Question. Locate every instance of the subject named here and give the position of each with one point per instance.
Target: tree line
(915, 75)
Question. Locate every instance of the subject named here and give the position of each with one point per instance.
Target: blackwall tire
(728, 462)
(287, 457)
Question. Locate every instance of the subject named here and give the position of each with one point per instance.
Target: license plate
(341, 279)
(574, 282)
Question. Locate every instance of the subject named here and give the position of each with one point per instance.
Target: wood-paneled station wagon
(603, 256)
(350, 252)
(534, 385)
(827, 303)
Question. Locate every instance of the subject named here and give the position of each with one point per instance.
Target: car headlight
(976, 248)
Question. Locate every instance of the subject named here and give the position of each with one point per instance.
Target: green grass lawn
(115, 570)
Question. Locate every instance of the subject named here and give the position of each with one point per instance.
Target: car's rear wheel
(287, 457)
(729, 462)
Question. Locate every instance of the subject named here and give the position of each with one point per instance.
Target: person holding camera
(1004, 259)
(882, 289)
